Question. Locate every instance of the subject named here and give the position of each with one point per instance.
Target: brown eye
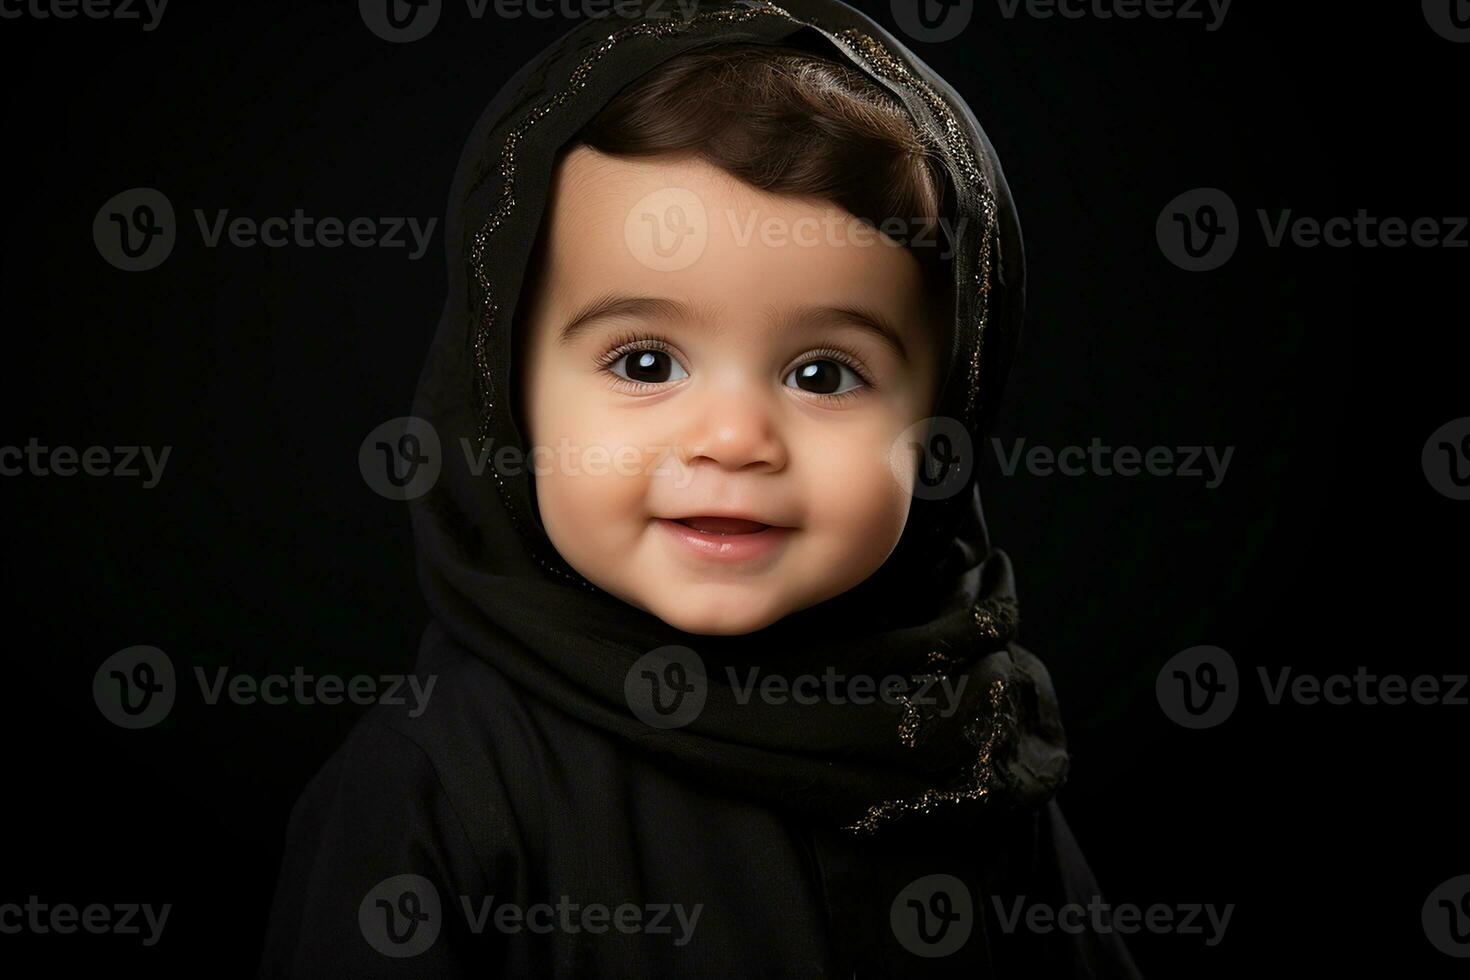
(824, 376)
(648, 367)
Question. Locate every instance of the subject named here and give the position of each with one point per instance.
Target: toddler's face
(701, 356)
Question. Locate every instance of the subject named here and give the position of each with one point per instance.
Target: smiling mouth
(722, 525)
(727, 539)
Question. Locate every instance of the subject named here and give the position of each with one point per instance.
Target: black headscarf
(942, 604)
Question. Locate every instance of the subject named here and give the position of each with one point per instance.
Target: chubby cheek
(856, 503)
(591, 483)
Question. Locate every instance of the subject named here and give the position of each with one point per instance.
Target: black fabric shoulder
(379, 811)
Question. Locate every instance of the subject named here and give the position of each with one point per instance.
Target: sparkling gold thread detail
(913, 726)
(977, 782)
(883, 62)
(997, 619)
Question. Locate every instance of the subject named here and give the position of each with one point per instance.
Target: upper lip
(728, 514)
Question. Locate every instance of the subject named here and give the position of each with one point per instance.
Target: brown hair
(793, 122)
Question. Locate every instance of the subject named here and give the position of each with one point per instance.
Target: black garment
(794, 826)
(496, 797)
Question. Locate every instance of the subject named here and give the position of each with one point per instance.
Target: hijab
(941, 610)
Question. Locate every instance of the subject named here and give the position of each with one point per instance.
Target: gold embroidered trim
(977, 782)
(913, 727)
(997, 618)
(882, 61)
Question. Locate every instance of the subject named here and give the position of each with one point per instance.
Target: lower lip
(727, 547)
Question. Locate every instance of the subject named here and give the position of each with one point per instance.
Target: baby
(780, 348)
(727, 679)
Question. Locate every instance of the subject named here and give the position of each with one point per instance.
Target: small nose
(735, 427)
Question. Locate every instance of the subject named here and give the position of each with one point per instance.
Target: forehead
(682, 227)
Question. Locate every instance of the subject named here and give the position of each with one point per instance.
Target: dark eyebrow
(614, 305)
(862, 317)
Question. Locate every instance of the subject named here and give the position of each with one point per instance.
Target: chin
(716, 615)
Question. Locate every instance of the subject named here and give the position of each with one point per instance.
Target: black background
(262, 548)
